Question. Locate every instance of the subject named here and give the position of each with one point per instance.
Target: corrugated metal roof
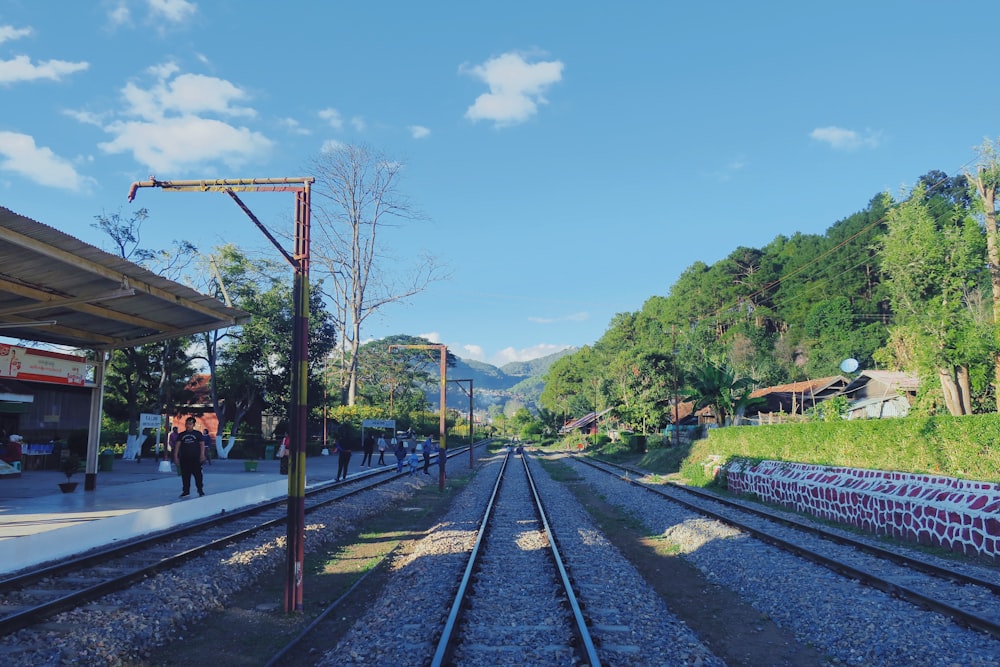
(897, 381)
(585, 420)
(57, 289)
(806, 386)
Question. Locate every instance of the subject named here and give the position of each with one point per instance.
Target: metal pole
(677, 426)
(472, 459)
(299, 410)
(326, 396)
(443, 449)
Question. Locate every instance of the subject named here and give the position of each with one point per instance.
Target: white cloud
(19, 154)
(22, 69)
(728, 170)
(331, 146)
(174, 11)
(572, 317)
(840, 138)
(332, 117)
(516, 86)
(170, 127)
(474, 352)
(432, 336)
(358, 123)
(510, 354)
(293, 126)
(8, 32)
(419, 131)
(119, 15)
(185, 94)
(86, 117)
(174, 144)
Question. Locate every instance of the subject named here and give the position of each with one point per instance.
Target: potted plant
(69, 466)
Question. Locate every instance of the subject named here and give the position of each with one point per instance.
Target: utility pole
(472, 459)
(677, 426)
(298, 411)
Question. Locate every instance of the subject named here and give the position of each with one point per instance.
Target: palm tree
(717, 387)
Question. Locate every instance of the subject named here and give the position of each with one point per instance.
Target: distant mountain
(519, 380)
(535, 367)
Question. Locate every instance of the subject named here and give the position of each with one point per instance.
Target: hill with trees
(902, 284)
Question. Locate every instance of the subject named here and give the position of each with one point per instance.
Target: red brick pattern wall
(960, 515)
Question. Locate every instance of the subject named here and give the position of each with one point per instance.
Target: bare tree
(356, 200)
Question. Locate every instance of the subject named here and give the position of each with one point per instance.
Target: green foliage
(833, 409)
(966, 446)
(833, 334)
(933, 255)
(716, 386)
(901, 286)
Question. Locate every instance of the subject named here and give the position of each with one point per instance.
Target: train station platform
(40, 524)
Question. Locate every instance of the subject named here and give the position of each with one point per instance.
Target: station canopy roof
(57, 289)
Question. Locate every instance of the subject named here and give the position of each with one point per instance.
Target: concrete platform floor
(40, 524)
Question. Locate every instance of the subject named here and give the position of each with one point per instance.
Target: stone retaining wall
(960, 515)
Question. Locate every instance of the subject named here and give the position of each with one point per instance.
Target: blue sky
(572, 159)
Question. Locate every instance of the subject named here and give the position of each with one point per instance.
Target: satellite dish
(849, 365)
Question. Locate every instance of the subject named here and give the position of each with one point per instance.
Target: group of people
(405, 447)
(409, 451)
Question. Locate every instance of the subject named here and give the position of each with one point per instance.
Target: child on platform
(413, 460)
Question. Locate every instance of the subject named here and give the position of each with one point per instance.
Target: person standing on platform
(381, 449)
(171, 444)
(189, 455)
(368, 447)
(283, 452)
(399, 449)
(428, 446)
(343, 459)
(208, 447)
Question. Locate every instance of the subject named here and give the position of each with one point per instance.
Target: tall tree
(396, 379)
(985, 181)
(717, 387)
(933, 267)
(356, 200)
(256, 363)
(131, 367)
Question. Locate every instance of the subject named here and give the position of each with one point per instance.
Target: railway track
(515, 574)
(968, 595)
(31, 598)
(515, 549)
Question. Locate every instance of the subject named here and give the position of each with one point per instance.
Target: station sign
(22, 363)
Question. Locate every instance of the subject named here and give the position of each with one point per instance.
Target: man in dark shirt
(189, 454)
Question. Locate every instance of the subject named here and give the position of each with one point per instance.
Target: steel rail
(967, 618)
(580, 625)
(444, 648)
(818, 531)
(584, 643)
(37, 613)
